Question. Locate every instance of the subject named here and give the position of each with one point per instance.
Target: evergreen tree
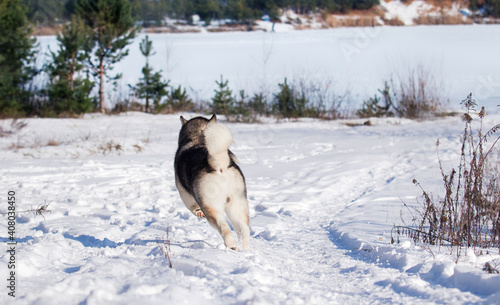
(150, 12)
(66, 92)
(223, 101)
(150, 85)
(273, 11)
(182, 9)
(113, 26)
(45, 12)
(289, 103)
(242, 109)
(178, 100)
(16, 54)
(208, 9)
(240, 11)
(258, 104)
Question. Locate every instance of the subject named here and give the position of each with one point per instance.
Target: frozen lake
(463, 58)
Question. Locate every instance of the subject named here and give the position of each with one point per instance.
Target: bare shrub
(109, 147)
(15, 126)
(468, 215)
(414, 95)
(324, 99)
(491, 269)
(417, 94)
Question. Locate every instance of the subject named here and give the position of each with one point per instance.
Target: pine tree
(45, 12)
(240, 11)
(150, 86)
(223, 101)
(113, 26)
(66, 92)
(16, 53)
(289, 103)
(178, 100)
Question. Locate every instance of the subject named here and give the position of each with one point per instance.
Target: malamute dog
(208, 179)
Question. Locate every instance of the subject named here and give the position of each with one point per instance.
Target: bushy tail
(218, 138)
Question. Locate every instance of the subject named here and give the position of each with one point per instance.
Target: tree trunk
(72, 71)
(101, 86)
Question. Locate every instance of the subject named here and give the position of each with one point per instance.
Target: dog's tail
(218, 139)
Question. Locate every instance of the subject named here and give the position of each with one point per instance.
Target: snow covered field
(359, 60)
(323, 196)
(323, 199)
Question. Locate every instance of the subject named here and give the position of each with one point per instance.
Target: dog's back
(209, 180)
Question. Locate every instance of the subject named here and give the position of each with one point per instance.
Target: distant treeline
(151, 12)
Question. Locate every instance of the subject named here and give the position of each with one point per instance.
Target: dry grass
(468, 214)
(394, 21)
(182, 28)
(164, 245)
(39, 211)
(441, 19)
(15, 127)
(35, 144)
(53, 142)
(47, 30)
(231, 28)
(415, 94)
(137, 148)
(335, 21)
(109, 147)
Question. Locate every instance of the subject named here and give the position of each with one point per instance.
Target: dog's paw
(199, 213)
(231, 244)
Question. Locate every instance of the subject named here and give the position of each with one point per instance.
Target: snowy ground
(323, 199)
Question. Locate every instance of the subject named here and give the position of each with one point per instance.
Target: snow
(411, 10)
(406, 12)
(354, 60)
(323, 199)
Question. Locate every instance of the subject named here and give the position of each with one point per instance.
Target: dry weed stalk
(491, 269)
(39, 211)
(418, 94)
(15, 126)
(468, 215)
(165, 248)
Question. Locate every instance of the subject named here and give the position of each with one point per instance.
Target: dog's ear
(213, 119)
(183, 120)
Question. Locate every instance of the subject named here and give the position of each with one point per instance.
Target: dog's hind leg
(190, 202)
(211, 196)
(217, 219)
(237, 212)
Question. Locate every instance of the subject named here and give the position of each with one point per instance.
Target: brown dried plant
(468, 215)
(164, 245)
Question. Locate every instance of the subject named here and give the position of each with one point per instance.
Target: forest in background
(153, 12)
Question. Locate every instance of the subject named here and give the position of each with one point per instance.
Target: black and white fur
(208, 179)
